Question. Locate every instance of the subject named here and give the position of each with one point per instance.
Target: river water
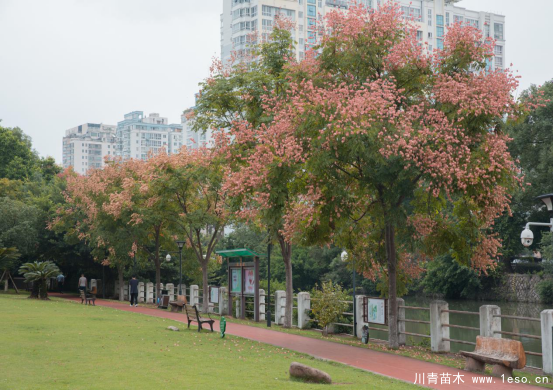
(510, 325)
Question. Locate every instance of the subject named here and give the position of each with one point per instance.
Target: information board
(236, 286)
(249, 285)
(214, 295)
(375, 310)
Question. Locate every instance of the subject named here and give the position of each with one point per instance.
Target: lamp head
(344, 256)
(168, 257)
(180, 244)
(548, 200)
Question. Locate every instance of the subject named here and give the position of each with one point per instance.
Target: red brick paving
(387, 364)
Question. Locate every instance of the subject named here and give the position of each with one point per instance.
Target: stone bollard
(141, 292)
(280, 304)
(237, 306)
(304, 305)
(126, 292)
(401, 321)
(547, 341)
(223, 301)
(170, 287)
(195, 296)
(438, 332)
(489, 324)
(359, 314)
(262, 308)
(149, 292)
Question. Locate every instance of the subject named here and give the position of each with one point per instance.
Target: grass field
(63, 345)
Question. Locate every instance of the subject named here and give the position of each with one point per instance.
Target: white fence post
(359, 315)
(401, 321)
(280, 303)
(304, 305)
(194, 296)
(141, 292)
(438, 332)
(547, 341)
(170, 287)
(262, 308)
(126, 292)
(223, 301)
(489, 324)
(149, 292)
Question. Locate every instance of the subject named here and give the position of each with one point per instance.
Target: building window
(498, 50)
(457, 19)
(311, 10)
(440, 44)
(498, 31)
(429, 17)
(419, 35)
(300, 15)
(311, 24)
(498, 63)
(439, 31)
(439, 20)
(310, 1)
(487, 30)
(472, 22)
(447, 18)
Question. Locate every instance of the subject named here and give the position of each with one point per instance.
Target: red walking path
(382, 363)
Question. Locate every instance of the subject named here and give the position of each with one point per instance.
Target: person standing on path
(82, 283)
(61, 281)
(133, 284)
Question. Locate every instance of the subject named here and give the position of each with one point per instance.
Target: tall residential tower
(242, 17)
(85, 146)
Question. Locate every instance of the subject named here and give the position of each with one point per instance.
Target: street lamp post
(527, 237)
(180, 244)
(344, 257)
(268, 311)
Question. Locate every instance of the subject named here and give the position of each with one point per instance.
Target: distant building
(85, 146)
(137, 136)
(193, 139)
(240, 18)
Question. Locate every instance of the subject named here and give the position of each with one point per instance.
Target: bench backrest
(191, 311)
(501, 349)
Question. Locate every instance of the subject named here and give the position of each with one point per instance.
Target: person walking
(133, 284)
(61, 281)
(82, 283)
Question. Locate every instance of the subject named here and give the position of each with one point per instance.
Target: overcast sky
(68, 62)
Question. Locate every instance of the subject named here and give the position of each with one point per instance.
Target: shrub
(327, 304)
(545, 290)
(527, 268)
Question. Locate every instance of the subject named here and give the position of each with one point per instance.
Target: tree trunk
(34, 290)
(286, 250)
(393, 334)
(205, 290)
(121, 287)
(43, 292)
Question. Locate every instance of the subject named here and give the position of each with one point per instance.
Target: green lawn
(64, 345)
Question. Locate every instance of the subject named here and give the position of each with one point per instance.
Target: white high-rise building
(194, 139)
(85, 146)
(242, 17)
(138, 136)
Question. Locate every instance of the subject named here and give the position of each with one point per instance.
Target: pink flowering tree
(190, 185)
(393, 152)
(234, 102)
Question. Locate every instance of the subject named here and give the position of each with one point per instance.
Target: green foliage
(446, 276)
(545, 291)
(20, 225)
(8, 256)
(327, 303)
(532, 145)
(527, 268)
(38, 273)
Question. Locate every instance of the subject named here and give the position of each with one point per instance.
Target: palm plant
(38, 273)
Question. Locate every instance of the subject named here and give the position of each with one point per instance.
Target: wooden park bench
(88, 297)
(192, 314)
(178, 304)
(504, 354)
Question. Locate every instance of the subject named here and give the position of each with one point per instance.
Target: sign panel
(376, 310)
(249, 286)
(214, 295)
(236, 286)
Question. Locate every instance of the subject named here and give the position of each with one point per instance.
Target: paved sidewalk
(387, 364)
